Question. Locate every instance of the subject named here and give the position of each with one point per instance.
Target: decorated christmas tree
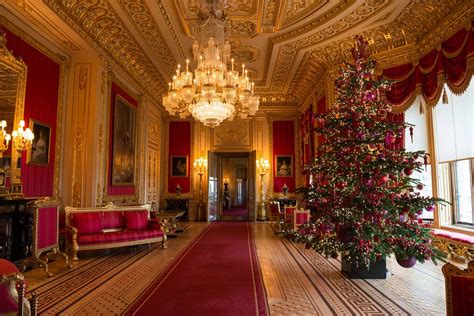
(365, 204)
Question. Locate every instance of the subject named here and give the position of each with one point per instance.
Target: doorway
(234, 186)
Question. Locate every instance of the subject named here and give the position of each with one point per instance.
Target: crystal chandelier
(213, 93)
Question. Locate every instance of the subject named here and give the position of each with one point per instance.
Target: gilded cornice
(60, 59)
(295, 10)
(273, 101)
(99, 24)
(141, 17)
(288, 52)
(301, 30)
(25, 8)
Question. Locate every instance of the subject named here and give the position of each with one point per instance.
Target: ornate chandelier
(213, 93)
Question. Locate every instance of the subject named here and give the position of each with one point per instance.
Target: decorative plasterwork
(288, 52)
(245, 54)
(141, 17)
(308, 36)
(36, 18)
(269, 15)
(235, 135)
(243, 28)
(97, 22)
(243, 15)
(295, 10)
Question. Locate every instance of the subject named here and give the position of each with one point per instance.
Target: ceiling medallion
(213, 93)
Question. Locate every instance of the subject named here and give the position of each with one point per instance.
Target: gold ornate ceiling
(287, 45)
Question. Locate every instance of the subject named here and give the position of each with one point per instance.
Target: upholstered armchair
(12, 292)
(45, 235)
(289, 212)
(300, 217)
(459, 289)
(276, 215)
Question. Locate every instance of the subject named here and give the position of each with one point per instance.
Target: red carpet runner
(236, 211)
(217, 275)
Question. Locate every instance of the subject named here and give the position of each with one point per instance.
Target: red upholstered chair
(45, 235)
(459, 289)
(12, 291)
(300, 217)
(276, 215)
(289, 216)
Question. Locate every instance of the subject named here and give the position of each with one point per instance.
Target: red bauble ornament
(419, 186)
(407, 262)
(408, 171)
(383, 180)
(341, 185)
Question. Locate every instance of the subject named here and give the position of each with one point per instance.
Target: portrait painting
(6, 165)
(39, 152)
(123, 150)
(3, 179)
(179, 166)
(284, 166)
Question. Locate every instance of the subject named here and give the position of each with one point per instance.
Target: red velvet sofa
(111, 226)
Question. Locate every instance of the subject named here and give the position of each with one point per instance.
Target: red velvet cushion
(301, 218)
(47, 233)
(462, 290)
(113, 237)
(88, 223)
(7, 302)
(112, 220)
(454, 236)
(136, 220)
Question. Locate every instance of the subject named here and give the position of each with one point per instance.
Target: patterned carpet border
(353, 294)
(262, 305)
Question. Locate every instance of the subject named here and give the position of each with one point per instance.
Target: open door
(251, 186)
(212, 186)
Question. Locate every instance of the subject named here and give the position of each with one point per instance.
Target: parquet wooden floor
(297, 281)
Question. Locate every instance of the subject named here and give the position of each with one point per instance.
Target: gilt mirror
(12, 97)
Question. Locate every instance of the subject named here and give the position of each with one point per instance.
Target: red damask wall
(179, 145)
(283, 145)
(118, 190)
(41, 104)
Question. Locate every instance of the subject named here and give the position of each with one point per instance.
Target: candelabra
(22, 139)
(200, 166)
(4, 140)
(262, 169)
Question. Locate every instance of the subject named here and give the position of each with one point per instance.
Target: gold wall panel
(232, 136)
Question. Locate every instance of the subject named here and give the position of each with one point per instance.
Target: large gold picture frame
(124, 142)
(40, 149)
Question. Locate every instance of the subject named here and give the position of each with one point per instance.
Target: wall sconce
(263, 166)
(4, 140)
(22, 139)
(226, 180)
(200, 167)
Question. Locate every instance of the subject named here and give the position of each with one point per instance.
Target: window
(454, 145)
(419, 141)
(462, 183)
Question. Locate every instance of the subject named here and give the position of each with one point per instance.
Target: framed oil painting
(39, 152)
(179, 166)
(283, 166)
(123, 150)
(6, 165)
